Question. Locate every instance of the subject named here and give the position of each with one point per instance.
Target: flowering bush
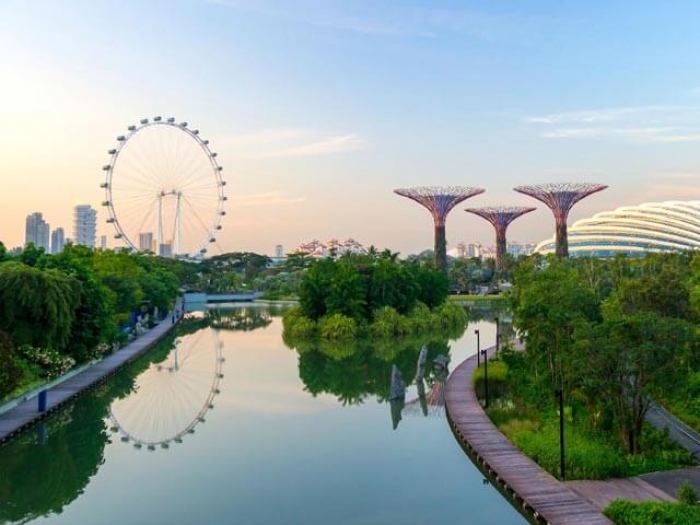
(52, 362)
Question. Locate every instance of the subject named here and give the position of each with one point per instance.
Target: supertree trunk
(440, 247)
(562, 240)
(500, 250)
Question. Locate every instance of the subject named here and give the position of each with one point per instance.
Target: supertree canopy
(439, 200)
(500, 217)
(560, 198)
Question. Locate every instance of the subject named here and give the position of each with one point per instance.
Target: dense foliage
(63, 309)
(611, 334)
(371, 295)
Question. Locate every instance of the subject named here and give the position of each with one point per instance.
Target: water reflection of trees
(354, 370)
(44, 469)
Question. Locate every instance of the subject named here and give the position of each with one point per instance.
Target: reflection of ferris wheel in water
(172, 397)
(164, 190)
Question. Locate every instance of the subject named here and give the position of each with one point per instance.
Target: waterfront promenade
(539, 493)
(26, 412)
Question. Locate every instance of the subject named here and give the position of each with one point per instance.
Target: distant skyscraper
(279, 251)
(58, 240)
(37, 231)
(166, 249)
(84, 225)
(103, 242)
(146, 242)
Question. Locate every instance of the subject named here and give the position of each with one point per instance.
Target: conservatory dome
(634, 230)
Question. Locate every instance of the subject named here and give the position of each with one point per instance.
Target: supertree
(560, 198)
(500, 217)
(439, 200)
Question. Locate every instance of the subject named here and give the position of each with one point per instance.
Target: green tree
(627, 360)
(37, 307)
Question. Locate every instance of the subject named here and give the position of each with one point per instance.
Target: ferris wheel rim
(123, 140)
(214, 390)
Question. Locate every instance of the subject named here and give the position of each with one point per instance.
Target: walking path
(26, 412)
(540, 493)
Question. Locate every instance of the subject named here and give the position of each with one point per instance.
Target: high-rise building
(84, 225)
(146, 242)
(279, 251)
(166, 249)
(103, 242)
(58, 240)
(37, 231)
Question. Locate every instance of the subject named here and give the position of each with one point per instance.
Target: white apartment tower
(84, 225)
(37, 231)
(58, 240)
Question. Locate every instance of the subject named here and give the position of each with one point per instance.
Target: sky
(319, 109)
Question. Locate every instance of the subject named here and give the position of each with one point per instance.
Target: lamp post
(486, 379)
(498, 335)
(478, 349)
(560, 397)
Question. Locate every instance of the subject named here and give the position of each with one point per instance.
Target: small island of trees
(371, 295)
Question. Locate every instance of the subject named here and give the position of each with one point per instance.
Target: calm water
(294, 437)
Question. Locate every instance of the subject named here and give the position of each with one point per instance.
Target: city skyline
(319, 110)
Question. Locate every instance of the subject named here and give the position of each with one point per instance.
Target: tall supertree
(500, 217)
(439, 200)
(560, 198)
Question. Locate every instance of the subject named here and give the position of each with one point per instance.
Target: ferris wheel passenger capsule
(205, 142)
(157, 119)
(110, 220)
(105, 203)
(195, 131)
(121, 138)
(144, 121)
(183, 124)
(112, 151)
(104, 185)
(214, 155)
(131, 128)
(106, 167)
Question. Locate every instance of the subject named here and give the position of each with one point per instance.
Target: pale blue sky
(319, 109)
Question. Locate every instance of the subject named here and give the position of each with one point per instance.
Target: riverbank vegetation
(371, 295)
(612, 335)
(60, 310)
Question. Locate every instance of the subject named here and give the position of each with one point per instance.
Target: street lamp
(560, 397)
(498, 335)
(478, 349)
(486, 379)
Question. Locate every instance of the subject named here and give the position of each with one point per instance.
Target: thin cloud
(382, 19)
(292, 142)
(322, 147)
(264, 199)
(654, 123)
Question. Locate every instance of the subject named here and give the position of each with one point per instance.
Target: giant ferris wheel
(163, 190)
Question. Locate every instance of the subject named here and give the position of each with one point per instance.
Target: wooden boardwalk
(26, 412)
(539, 493)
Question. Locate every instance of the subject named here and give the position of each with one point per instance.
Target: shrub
(420, 318)
(52, 363)
(451, 315)
(625, 512)
(388, 323)
(297, 326)
(337, 327)
(498, 373)
(687, 494)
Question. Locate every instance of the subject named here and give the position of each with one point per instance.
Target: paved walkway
(540, 493)
(26, 412)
